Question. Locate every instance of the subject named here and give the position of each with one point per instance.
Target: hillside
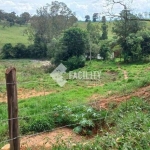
(117, 104)
(13, 35)
(83, 25)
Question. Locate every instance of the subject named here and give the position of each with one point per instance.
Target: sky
(80, 7)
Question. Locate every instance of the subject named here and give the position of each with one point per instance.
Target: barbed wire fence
(38, 106)
(12, 115)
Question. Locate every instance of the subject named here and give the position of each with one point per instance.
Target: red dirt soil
(24, 94)
(103, 102)
(47, 140)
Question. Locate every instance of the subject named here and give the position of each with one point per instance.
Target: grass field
(83, 25)
(116, 106)
(13, 35)
(38, 112)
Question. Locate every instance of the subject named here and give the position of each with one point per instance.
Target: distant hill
(83, 25)
(13, 35)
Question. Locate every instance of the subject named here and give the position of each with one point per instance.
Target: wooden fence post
(12, 101)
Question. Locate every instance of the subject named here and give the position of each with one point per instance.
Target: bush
(42, 124)
(83, 119)
(37, 50)
(74, 63)
(71, 47)
(75, 42)
(104, 51)
(20, 51)
(7, 51)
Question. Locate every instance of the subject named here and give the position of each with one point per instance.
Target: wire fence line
(22, 116)
(50, 112)
(29, 82)
(35, 134)
(5, 122)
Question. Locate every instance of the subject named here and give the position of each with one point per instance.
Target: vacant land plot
(43, 105)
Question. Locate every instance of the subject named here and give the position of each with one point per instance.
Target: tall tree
(94, 31)
(124, 27)
(104, 29)
(25, 17)
(11, 18)
(87, 18)
(1, 14)
(75, 42)
(52, 19)
(95, 17)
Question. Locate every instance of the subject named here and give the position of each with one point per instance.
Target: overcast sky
(80, 7)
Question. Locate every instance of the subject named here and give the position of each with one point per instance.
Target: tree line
(10, 19)
(56, 36)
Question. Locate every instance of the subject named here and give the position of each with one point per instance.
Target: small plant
(83, 119)
(41, 124)
(89, 120)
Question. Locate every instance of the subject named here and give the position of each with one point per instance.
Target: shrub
(75, 42)
(83, 119)
(7, 51)
(37, 50)
(20, 51)
(104, 51)
(41, 124)
(75, 62)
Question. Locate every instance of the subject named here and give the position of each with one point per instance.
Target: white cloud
(18, 7)
(9, 3)
(82, 8)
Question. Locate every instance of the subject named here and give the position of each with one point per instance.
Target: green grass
(83, 25)
(127, 128)
(74, 93)
(13, 35)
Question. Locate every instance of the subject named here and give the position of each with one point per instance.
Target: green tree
(104, 51)
(133, 47)
(95, 17)
(51, 20)
(1, 15)
(75, 42)
(7, 51)
(127, 24)
(11, 17)
(71, 48)
(25, 17)
(20, 51)
(104, 28)
(145, 44)
(53, 47)
(94, 31)
(87, 18)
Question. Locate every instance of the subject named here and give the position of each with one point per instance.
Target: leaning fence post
(12, 101)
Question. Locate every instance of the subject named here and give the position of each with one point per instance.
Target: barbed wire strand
(46, 131)
(50, 112)
(41, 114)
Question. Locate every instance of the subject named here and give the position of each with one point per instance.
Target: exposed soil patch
(24, 94)
(47, 140)
(95, 85)
(125, 73)
(111, 72)
(103, 102)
